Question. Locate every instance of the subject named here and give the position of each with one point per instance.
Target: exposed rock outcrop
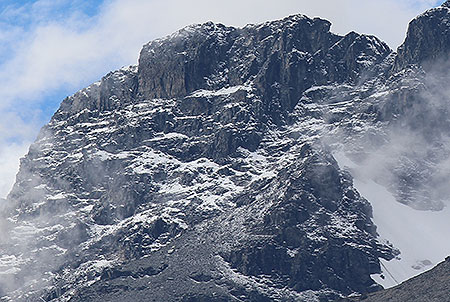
(428, 40)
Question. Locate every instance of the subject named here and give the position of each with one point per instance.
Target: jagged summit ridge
(210, 56)
(306, 53)
(446, 4)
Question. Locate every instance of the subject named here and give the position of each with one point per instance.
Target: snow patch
(220, 92)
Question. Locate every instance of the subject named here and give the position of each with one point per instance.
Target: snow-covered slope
(431, 286)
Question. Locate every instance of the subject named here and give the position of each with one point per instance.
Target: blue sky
(49, 49)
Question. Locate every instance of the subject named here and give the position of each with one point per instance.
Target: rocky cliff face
(428, 40)
(206, 172)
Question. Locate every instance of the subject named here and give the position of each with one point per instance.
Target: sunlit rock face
(206, 172)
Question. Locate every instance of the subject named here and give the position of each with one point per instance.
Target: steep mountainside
(207, 172)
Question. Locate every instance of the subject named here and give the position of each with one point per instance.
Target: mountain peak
(210, 56)
(234, 146)
(427, 39)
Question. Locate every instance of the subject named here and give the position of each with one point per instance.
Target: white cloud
(9, 163)
(49, 51)
(15, 137)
